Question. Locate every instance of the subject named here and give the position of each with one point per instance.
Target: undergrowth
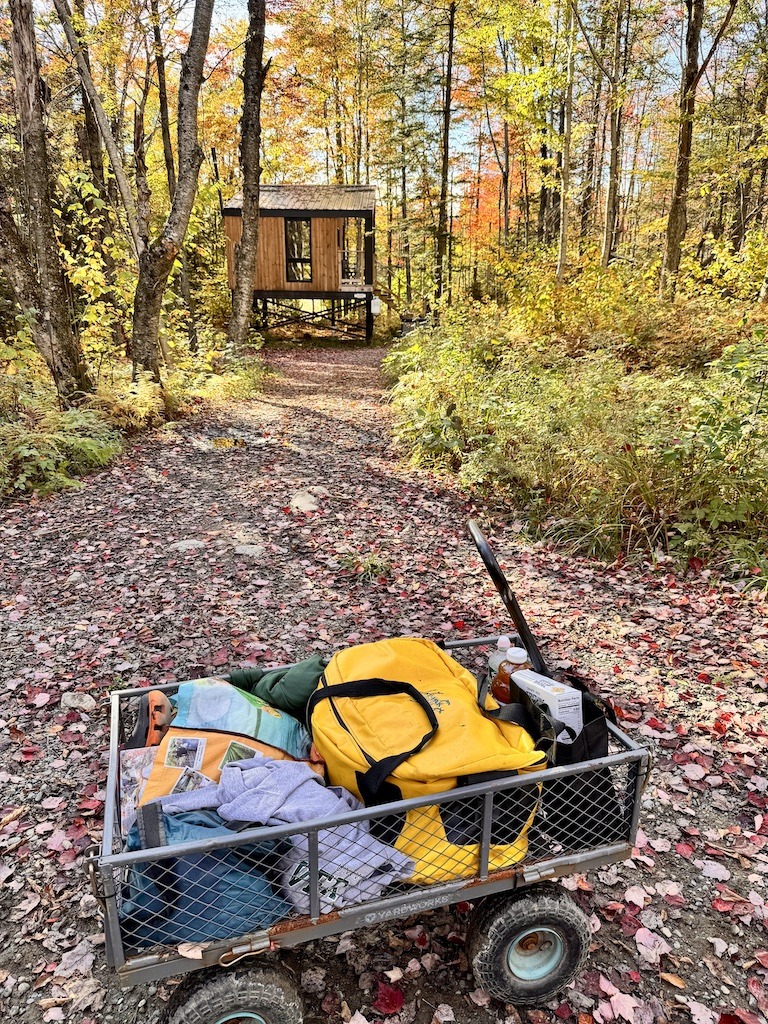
(43, 449)
(607, 440)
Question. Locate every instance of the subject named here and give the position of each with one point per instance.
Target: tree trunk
(748, 165)
(565, 171)
(677, 222)
(42, 293)
(614, 165)
(586, 205)
(442, 213)
(404, 210)
(250, 140)
(107, 135)
(170, 169)
(93, 151)
(156, 261)
(541, 224)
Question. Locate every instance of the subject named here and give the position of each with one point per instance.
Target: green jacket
(288, 689)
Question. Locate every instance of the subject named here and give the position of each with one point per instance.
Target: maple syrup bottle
(515, 660)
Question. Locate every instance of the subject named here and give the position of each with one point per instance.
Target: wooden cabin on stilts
(316, 242)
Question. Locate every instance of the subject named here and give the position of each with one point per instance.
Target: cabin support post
(368, 317)
(333, 312)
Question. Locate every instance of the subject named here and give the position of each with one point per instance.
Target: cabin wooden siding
(270, 275)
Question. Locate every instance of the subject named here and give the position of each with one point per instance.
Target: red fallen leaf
(31, 753)
(331, 1003)
(736, 907)
(755, 986)
(627, 715)
(761, 955)
(747, 1017)
(728, 1018)
(630, 923)
(611, 910)
(388, 1000)
(221, 657)
(459, 624)
(70, 737)
(89, 805)
(673, 900)
(564, 1011)
(704, 677)
(654, 723)
(685, 850)
(634, 976)
(463, 907)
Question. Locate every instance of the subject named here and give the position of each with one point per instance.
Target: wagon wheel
(255, 995)
(525, 947)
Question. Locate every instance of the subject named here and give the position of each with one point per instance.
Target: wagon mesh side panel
(583, 811)
(223, 893)
(200, 897)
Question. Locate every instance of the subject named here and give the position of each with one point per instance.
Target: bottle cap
(517, 655)
(503, 643)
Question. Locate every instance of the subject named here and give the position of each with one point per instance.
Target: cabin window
(298, 249)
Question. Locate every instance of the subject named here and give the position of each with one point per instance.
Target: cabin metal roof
(283, 200)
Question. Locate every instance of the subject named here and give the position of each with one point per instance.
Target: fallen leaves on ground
(229, 542)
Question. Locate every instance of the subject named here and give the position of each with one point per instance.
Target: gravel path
(287, 525)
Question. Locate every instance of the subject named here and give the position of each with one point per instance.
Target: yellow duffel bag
(398, 719)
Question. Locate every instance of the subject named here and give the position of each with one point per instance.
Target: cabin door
(352, 252)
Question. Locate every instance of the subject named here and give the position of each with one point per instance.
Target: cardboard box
(561, 701)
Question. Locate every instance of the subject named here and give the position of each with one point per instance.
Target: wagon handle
(509, 599)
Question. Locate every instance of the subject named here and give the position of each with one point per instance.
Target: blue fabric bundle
(198, 896)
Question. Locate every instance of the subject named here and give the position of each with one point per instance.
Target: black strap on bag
(372, 784)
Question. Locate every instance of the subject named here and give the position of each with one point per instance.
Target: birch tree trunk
(157, 259)
(36, 276)
(254, 73)
(170, 169)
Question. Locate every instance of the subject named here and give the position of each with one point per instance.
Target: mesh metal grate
(221, 891)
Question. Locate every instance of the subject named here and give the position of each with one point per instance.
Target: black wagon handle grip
(509, 599)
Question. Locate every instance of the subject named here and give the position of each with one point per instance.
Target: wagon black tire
(525, 947)
(267, 994)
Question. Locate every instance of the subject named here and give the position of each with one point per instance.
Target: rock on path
(288, 525)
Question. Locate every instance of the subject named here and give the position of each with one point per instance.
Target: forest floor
(241, 538)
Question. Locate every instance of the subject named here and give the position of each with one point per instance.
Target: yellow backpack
(398, 719)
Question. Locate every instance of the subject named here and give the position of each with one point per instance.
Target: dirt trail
(240, 538)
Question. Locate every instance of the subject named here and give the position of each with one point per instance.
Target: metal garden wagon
(527, 937)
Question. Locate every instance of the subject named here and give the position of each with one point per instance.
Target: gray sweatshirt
(353, 865)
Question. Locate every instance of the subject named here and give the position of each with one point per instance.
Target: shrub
(130, 406)
(599, 456)
(43, 452)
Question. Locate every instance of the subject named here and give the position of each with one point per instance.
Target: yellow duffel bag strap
(371, 783)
